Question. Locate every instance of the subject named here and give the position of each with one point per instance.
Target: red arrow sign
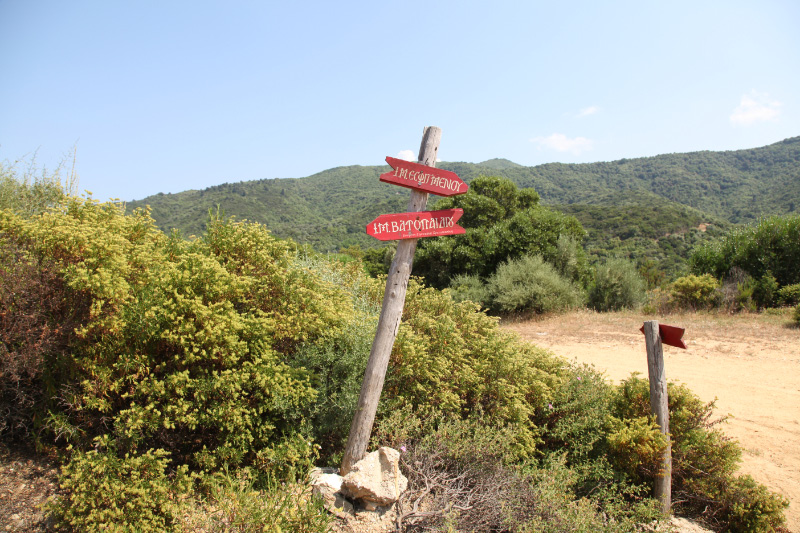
(424, 178)
(670, 335)
(416, 225)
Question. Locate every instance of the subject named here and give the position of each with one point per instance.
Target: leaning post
(394, 298)
(659, 407)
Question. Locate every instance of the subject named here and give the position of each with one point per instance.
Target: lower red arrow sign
(416, 225)
(670, 335)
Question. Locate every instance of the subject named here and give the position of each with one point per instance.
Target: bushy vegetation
(194, 374)
(502, 223)
(616, 285)
(767, 253)
(464, 476)
(704, 480)
(695, 292)
(528, 284)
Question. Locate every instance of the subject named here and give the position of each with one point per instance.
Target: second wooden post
(659, 407)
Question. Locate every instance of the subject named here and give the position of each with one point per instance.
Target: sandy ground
(750, 363)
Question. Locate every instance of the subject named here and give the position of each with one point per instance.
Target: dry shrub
(464, 476)
(35, 324)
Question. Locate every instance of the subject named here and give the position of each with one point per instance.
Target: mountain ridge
(331, 208)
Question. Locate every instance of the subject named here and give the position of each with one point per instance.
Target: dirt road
(750, 363)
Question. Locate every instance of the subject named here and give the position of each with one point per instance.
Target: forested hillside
(330, 209)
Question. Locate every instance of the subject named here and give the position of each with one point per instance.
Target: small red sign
(670, 335)
(416, 225)
(424, 178)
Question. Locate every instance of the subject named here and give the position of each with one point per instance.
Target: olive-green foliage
(479, 487)
(378, 260)
(240, 503)
(765, 291)
(103, 491)
(452, 360)
(469, 287)
(570, 260)
(789, 295)
(695, 292)
(582, 431)
(769, 248)
(338, 358)
(528, 284)
(796, 315)
(180, 343)
(502, 223)
(607, 437)
(644, 227)
(616, 285)
(704, 462)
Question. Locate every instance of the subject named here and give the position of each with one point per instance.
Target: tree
(769, 248)
(502, 223)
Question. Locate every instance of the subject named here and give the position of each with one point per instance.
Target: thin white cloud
(755, 107)
(586, 111)
(561, 143)
(408, 155)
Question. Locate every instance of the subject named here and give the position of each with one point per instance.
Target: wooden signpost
(421, 178)
(655, 335)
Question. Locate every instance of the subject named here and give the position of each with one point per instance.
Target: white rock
(376, 479)
(327, 486)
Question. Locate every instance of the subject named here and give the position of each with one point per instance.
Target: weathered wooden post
(658, 406)
(655, 334)
(408, 228)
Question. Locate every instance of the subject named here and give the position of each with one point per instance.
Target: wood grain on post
(394, 298)
(659, 407)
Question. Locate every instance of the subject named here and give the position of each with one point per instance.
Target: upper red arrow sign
(416, 225)
(670, 335)
(424, 178)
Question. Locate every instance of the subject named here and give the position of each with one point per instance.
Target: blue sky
(164, 96)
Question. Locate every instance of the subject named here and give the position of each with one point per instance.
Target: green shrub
(695, 292)
(450, 359)
(469, 287)
(617, 285)
(242, 503)
(528, 284)
(765, 291)
(179, 345)
(338, 358)
(570, 259)
(789, 295)
(704, 462)
(636, 446)
(771, 246)
(105, 492)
